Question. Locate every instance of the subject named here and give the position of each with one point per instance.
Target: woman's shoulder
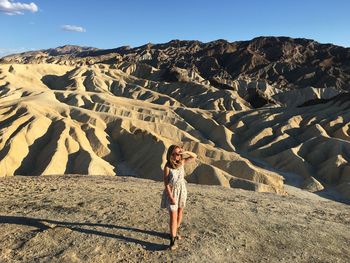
(167, 167)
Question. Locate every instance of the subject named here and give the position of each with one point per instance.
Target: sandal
(178, 237)
(173, 244)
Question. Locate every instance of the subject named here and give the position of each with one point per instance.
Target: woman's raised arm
(192, 155)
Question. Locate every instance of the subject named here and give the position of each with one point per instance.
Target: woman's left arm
(191, 154)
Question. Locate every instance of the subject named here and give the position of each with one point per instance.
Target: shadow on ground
(44, 224)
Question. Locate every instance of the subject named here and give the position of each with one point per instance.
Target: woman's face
(176, 153)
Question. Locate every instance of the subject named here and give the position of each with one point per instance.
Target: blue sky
(38, 24)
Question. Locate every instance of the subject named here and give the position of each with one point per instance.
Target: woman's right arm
(167, 185)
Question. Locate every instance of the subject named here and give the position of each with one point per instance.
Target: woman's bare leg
(179, 216)
(173, 223)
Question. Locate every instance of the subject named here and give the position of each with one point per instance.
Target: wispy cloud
(9, 7)
(8, 51)
(73, 28)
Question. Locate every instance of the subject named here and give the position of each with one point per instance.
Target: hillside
(258, 113)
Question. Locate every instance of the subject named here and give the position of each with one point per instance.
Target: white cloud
(8, 51)
(73, 28)
(9, 7)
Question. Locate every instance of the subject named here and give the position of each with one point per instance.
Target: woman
(175, 192)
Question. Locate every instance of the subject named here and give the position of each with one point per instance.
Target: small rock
(11, 69)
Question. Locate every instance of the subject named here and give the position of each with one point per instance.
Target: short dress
(178, 187)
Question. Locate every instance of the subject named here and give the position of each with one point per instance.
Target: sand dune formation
(258, 113)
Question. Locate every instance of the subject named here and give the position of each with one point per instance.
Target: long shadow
(75, 226)
(48, 149)
(29, 163)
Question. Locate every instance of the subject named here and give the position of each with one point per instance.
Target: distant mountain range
(265, 67)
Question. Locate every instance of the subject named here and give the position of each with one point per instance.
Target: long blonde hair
(171, 161)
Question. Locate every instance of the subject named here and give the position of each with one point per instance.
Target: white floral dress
(177, 183)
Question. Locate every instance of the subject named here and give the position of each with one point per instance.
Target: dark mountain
(259, 69)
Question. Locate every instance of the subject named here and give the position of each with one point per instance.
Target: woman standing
(175, 192)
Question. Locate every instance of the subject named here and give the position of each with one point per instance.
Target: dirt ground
(112, 219)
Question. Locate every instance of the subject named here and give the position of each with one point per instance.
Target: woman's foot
(178, 236)
(173, 244)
